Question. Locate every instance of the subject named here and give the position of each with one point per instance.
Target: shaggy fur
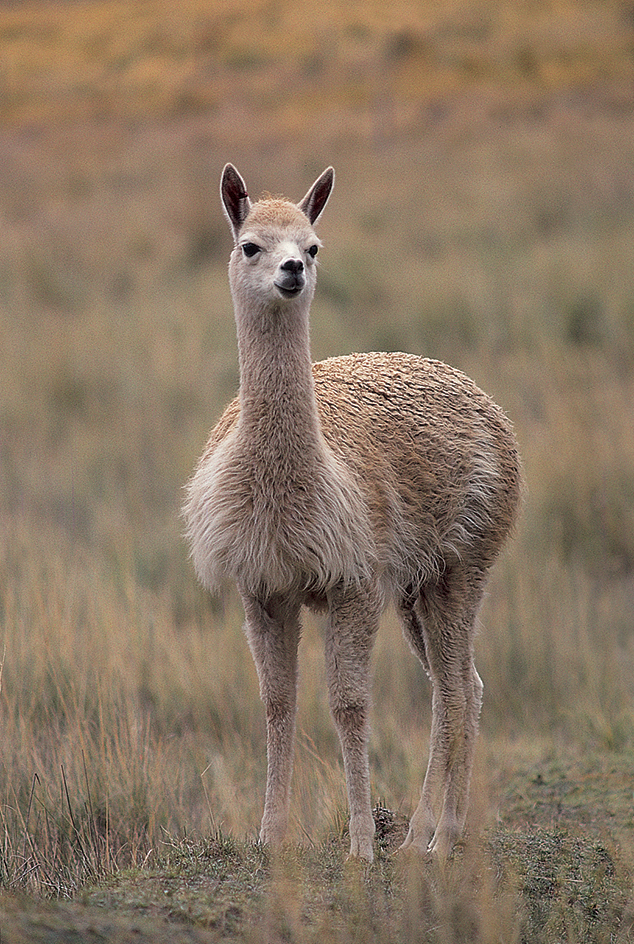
(342, 485)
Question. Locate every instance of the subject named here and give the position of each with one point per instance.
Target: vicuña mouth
(289, 291)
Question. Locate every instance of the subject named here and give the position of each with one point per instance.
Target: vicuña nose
(293, 265)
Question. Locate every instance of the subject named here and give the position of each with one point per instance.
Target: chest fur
(266, 521)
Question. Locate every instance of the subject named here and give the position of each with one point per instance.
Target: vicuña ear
(317, 197)
(235, 199)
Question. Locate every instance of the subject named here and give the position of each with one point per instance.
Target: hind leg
(425, 820)
(448, 611)
(457, 740)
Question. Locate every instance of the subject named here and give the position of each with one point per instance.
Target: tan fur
(341, 485)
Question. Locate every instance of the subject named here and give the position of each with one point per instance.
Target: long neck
(278, 410)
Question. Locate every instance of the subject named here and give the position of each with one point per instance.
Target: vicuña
(341, 486)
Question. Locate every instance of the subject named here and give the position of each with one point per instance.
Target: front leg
(273, 631)
(352, 627)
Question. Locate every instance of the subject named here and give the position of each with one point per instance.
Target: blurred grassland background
(483, 214)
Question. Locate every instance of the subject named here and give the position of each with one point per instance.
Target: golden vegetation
(483, 214)
(121, 59)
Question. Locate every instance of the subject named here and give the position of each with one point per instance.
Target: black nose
(293, 265)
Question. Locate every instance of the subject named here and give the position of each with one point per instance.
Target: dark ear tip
(235, 198)
(327, 178)
(229, 171)
(232, 183)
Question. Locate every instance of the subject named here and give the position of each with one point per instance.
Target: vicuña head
(276, 245)
(345, 485)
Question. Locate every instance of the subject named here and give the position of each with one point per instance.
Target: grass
(483, 214)
(78, 64)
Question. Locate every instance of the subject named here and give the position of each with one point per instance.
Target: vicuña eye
(250, 250)
(312, 252)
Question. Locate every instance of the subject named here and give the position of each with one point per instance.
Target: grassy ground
(483, 214)
(548, 870)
